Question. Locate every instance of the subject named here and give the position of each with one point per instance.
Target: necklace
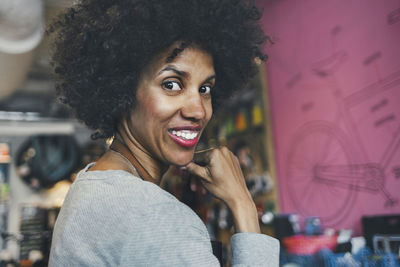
(123, 150)
(129, 165)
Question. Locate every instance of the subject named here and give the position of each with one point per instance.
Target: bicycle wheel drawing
(319, 144)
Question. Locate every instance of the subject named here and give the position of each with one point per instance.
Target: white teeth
(189, 135)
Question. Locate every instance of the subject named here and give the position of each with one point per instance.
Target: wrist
(245, 216)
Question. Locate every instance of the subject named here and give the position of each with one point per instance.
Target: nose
(193, 107)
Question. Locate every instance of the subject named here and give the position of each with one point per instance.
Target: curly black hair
(101, 46)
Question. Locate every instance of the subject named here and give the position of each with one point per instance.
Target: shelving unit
(14, 132)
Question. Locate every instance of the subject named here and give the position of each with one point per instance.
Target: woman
(148, 73)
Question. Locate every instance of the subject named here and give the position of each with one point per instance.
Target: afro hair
(101, 46)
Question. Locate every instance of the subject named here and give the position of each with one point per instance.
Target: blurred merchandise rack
(326, 258)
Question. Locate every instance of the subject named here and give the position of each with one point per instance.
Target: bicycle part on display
(44, 160)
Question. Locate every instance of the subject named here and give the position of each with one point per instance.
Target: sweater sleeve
(252, 249)
(181, 239)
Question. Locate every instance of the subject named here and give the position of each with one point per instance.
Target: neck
(154, 167)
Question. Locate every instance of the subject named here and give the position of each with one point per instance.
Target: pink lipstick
(186, 136)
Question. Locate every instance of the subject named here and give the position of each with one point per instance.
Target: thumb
(200, 171)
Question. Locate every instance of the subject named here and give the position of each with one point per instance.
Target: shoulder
(117, 185)
(128, 198)
(124, 218)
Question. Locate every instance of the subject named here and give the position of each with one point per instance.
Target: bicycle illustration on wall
(328, 164)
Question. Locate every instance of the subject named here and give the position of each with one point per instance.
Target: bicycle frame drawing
(327, 163)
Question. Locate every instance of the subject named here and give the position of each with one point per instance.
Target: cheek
(157, 109)
(209, 112)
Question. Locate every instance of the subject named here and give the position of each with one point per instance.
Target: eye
(205, 89)
(171, 85)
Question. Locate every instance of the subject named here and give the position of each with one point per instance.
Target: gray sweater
(112, 218)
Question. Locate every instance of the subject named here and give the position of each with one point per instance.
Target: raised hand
(223, 177)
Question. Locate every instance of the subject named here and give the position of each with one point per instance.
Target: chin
(182, 160)
(181, 163)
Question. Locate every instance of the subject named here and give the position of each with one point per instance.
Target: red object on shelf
(302, 244)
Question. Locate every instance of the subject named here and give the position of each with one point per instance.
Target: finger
(201, 159)
(236, 160)
(198, 170)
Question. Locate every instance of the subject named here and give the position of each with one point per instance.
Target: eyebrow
(183, 73)
(169, 68)
(211, 77)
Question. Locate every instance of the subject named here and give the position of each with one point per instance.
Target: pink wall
(334, 87)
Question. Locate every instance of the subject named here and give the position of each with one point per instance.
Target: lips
(185, 136)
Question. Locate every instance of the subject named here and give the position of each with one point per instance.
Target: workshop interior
(316, 133)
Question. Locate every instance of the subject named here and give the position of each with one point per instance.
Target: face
(173, 105)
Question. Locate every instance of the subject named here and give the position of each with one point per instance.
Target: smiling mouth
(185, 137)
(185, 134)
